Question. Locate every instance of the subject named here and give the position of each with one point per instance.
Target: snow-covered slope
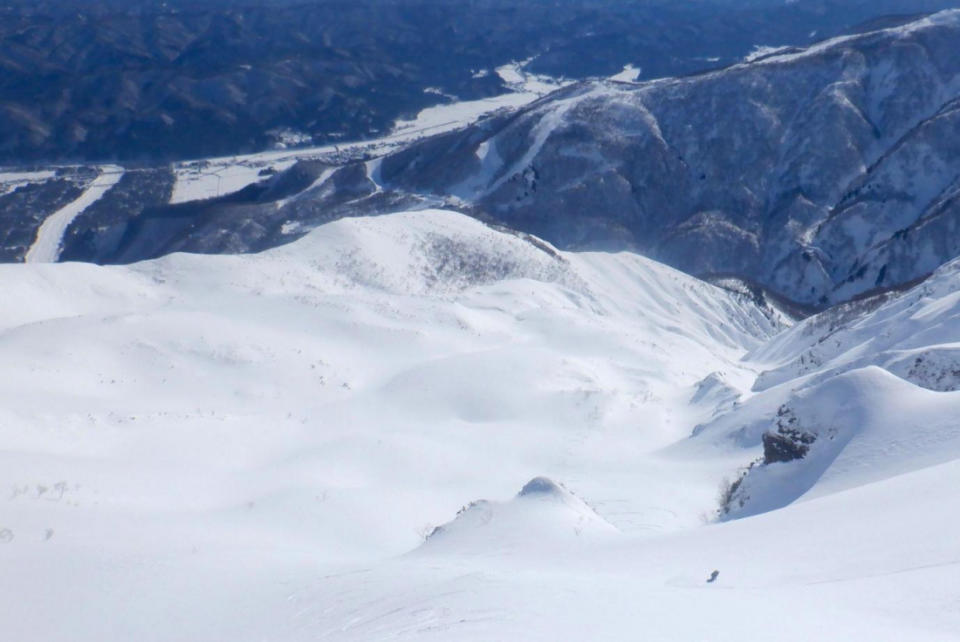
(851, 396)
(914, 336)
(263, 447)
(541, 516)
(242, 417)
(875, 563)
(852, 429)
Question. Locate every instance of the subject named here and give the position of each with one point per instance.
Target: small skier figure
(713, 576)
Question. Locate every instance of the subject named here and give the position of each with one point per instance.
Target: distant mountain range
(819, 174)
(147, 81)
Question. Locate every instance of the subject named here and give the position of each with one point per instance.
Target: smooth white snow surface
(46, 246)
(263, 446)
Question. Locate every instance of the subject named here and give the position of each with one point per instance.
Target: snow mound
(543, 516)
(427, 251)
(857, 428)
(714, 391)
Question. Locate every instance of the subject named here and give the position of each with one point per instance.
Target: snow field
(258, 447)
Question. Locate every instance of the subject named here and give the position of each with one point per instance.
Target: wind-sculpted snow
(277, 445)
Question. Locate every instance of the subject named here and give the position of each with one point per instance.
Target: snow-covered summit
(544, 517)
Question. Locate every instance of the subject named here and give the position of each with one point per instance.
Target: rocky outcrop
(788, 441)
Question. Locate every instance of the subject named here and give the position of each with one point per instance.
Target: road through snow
(46, 247)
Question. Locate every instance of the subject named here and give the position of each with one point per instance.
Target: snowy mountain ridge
(822, 174)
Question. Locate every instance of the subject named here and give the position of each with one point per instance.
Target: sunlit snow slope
(276, 446)
(869, 390)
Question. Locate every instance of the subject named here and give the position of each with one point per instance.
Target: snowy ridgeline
(276, 446)
(822, 174)
(856, 395)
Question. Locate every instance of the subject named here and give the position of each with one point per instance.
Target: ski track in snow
(46, 247)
